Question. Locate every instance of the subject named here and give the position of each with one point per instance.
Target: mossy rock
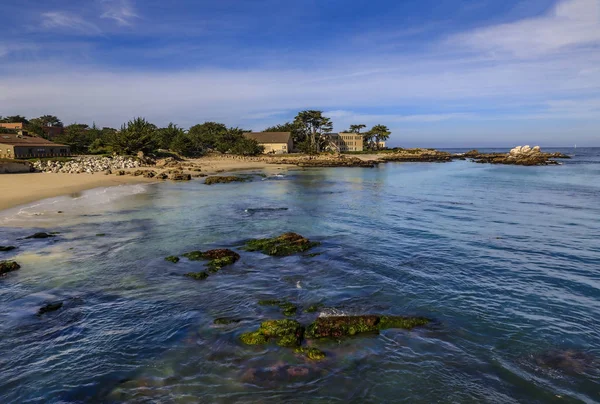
(199, 276)
(288, 333)
(406, 323)
(224, 179)
(270, 302)
(7, 248)
(346, 326)
(100, 234)
(172, 258)
(281, 246)
(254, 338)
(218, 258)
(311, 353)
(8, 266)
(41, 235)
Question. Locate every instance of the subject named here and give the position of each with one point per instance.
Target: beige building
(12, 125)
(17, 146)
(273, 142)
(344, 142)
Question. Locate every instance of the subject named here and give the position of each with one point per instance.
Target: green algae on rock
(406, 323)
(281, 246)
(199, 276)
(311, 353)
(172, 258)
(288, 333)
(224, 179)
(6, 248)
(8, 266)
(217, 258)
(344, 326)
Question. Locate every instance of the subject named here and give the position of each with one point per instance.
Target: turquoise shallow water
(506, 260)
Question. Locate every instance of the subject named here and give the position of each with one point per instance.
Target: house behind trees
(273, 142)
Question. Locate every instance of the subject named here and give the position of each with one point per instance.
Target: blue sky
(438, 73)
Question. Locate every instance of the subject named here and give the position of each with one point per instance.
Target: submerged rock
(288, 309)
(311, 353)
(313, 308)
(6, 248)
(281, 246)
(344, 326)
(568, 361)
(52, 306)
(40, 235)
(8, 266)
(226, 321)
(218, 258)
(287, 333)
(172, 258)
(225, 179)
(199, 276)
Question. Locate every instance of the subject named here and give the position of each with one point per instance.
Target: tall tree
(77, 136)
(206, 136)
(313, 125)
(356, 128)
(14, 119)
(380, 133)
(164, 136)
(134, 136)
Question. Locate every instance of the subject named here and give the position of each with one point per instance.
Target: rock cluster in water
(88, 164)
(337, 160)
(281, 246)
(217, 259)
(520, 155)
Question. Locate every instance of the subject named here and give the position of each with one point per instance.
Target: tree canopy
(313, 125)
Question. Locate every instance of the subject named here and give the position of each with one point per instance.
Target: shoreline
(25, 188)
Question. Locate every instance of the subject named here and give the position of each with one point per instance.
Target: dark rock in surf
(8, 266)
(224, 179)
(52, 306)
(7, 248)
(40, 235)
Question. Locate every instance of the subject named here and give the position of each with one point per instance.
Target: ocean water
(505, 260)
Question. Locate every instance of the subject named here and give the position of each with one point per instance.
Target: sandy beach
(20, 189)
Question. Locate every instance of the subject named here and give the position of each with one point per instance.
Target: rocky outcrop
(217, 259)
(224, 179)
(89, 164)
(338, 160)
(179, 177)
(520, 155)
(281, 246)
(417, 155)
(8, 266)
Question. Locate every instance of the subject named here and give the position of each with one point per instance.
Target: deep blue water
(505, 259)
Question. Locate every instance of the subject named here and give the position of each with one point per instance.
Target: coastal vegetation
(308, 129)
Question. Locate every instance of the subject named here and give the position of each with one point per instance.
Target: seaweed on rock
(345, 326)
(288, 309)
(281, 246)
(311, 353)
(172, 258)
(288, 333)
(217, 258)
(199, 276)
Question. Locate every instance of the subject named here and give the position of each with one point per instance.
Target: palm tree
(380, 133)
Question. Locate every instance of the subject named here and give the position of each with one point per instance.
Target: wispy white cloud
(121, 11)
(64, 20)
(571, 23)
